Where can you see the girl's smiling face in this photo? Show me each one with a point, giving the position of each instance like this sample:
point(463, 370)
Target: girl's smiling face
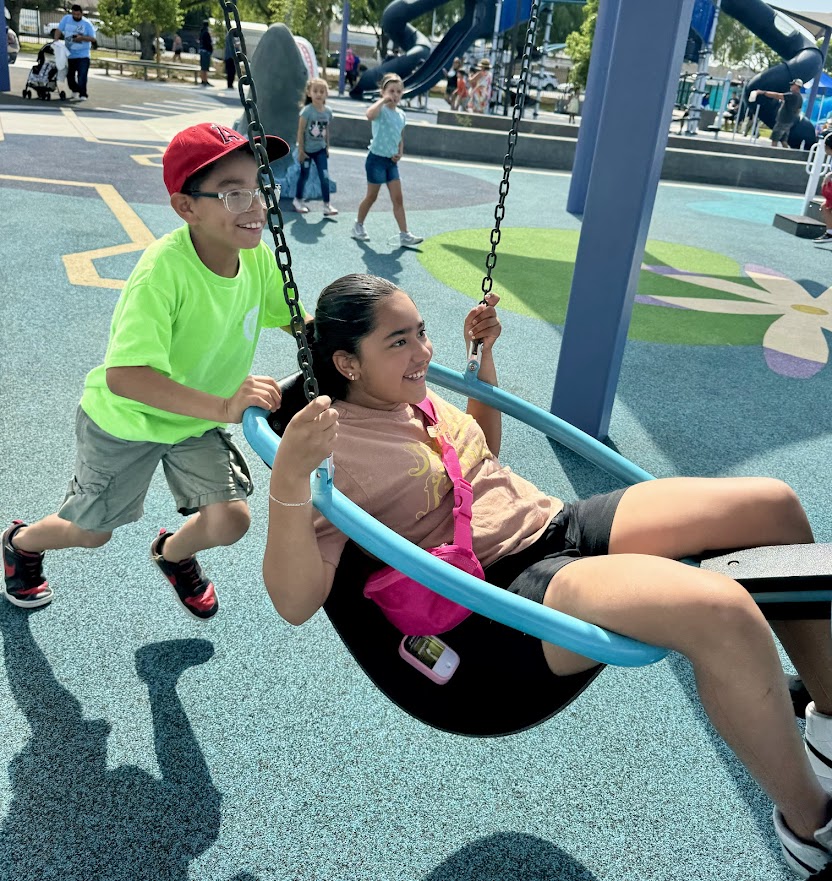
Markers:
point(392, 360)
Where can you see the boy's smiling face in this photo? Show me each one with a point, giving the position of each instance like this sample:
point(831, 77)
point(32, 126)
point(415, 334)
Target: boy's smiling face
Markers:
point(217, 234)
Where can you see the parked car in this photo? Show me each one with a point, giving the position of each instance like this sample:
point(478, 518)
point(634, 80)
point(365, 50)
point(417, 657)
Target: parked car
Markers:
point(544, 81)
point(12, 45)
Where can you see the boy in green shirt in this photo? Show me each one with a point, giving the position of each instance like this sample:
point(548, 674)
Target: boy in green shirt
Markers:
point(176, 372)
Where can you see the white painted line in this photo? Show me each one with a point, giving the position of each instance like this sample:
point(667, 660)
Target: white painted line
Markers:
point(143, 110)
point(137, 112)
point(167, 109)
point(186, 103)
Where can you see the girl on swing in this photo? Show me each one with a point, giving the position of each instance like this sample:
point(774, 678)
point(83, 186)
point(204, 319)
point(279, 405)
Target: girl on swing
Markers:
point(610, 560)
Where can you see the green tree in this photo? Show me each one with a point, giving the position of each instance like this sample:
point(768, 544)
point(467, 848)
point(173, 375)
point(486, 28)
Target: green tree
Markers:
point(306, 18)
point(735, 45)
point(151, 17)
point(566, 18)
point(447, 15)
point(733, 41)
point(367, 13)
point(579, 43)
point(115, 17)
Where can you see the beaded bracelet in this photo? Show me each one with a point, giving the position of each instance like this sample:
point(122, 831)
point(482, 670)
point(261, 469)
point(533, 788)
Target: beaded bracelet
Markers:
point(290, 504)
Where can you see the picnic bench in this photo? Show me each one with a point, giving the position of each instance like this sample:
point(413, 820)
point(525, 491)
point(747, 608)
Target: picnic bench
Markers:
point(158, 66)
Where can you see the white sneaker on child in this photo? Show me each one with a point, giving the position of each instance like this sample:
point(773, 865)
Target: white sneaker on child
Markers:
point(408, 240)
point(803, 857)
point(330, 210)
point(358, 232)
point(819, 745)
point(299, 206)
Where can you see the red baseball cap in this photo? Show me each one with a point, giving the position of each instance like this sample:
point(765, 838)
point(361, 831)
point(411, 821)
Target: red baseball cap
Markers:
point(200, 145)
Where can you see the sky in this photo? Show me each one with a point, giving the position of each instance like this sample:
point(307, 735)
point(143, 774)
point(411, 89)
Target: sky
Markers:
point(805, 5)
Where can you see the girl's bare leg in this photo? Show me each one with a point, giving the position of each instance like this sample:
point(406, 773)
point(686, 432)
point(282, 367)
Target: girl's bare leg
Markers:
point(367, 202)
point(686, 516)
point(396, 197)
point(704, 615)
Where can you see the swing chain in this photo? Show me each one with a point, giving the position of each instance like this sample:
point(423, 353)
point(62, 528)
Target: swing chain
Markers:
point(270, 189)
point(508, 161)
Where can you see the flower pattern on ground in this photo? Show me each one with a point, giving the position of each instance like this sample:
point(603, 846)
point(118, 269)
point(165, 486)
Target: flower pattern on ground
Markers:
point(794, 344)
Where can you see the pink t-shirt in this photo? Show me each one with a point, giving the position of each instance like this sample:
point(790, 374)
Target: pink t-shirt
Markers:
point(387, 464)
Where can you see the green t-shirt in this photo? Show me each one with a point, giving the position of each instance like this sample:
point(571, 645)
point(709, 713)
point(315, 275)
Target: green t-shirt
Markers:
point(195, 327)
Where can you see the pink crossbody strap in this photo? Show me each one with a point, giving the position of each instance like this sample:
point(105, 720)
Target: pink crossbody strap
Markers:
point(463, 493)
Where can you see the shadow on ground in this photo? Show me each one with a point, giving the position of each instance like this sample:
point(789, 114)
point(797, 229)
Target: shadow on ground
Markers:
point(73, 818)
point(509, 856)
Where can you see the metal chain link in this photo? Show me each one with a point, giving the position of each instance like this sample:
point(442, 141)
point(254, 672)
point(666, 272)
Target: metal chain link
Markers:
point(271, 191)
point(508, 161)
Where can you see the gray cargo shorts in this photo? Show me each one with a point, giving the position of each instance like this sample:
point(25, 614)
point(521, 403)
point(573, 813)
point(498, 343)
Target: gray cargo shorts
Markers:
point(112, 475)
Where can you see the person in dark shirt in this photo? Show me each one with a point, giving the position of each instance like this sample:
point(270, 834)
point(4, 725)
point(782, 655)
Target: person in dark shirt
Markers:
point(788, 114)
point(206, 51)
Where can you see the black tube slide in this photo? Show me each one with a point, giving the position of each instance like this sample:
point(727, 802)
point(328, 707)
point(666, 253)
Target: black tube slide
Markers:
point(802, 59)
point(414, 44)
point(477, 23)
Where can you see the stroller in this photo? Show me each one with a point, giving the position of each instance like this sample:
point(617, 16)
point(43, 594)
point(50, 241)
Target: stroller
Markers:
point(43, 77)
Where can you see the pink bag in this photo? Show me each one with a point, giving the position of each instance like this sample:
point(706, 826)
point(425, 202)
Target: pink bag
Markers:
point(414, 609)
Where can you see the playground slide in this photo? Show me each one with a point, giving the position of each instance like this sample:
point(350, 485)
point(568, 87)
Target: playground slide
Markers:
point(802, 59)
point(476, 23)
point(415, 46)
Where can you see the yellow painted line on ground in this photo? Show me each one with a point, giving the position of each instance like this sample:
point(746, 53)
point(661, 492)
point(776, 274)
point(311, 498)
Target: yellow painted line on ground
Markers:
point(79, 126)
point(80, 267)
point(154, 160)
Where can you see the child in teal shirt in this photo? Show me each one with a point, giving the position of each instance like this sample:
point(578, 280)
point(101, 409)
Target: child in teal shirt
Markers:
point(176, 372)
point(382, 165)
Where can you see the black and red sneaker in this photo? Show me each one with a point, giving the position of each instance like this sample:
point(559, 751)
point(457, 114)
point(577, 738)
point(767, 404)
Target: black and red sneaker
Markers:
point(23, 573)
point(192, 588)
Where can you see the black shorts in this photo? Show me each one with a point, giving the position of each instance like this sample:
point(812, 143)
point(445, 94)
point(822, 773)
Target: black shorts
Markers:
point(581, 529)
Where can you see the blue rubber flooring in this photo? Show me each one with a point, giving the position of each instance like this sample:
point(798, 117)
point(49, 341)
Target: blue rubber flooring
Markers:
point(138, 744)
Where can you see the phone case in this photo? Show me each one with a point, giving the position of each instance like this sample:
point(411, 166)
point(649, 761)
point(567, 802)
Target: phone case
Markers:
point(442, 670)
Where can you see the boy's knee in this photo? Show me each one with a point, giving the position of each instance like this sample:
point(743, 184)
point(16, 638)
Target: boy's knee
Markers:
point(230, 522)
point(88, 539)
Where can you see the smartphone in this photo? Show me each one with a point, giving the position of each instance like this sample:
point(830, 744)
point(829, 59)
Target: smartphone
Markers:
point(430, 656)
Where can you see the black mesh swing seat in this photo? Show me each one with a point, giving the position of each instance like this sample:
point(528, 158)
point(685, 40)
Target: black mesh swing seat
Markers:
point(503, 684)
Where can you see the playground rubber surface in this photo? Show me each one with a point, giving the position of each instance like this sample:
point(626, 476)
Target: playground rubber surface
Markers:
point(138, 744)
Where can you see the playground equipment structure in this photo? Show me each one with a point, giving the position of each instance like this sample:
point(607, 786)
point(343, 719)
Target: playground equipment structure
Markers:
point(421, 68)
point(418, 66)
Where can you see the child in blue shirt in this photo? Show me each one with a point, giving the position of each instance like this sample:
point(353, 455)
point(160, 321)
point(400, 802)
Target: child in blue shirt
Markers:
point(382, 165)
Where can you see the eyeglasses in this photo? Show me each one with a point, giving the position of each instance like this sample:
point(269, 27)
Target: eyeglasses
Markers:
point(237, 201)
